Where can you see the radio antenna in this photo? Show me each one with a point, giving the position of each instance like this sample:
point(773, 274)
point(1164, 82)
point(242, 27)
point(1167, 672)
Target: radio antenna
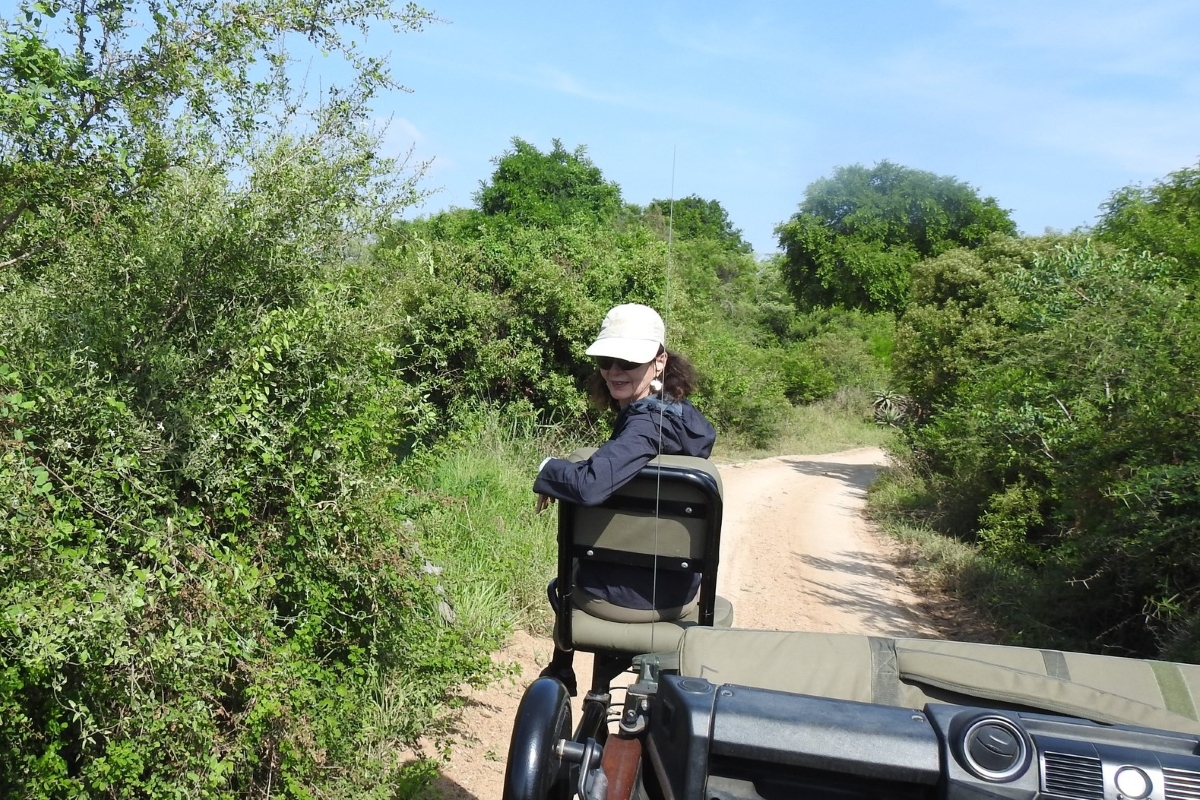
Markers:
point(663, 397)
point(670, 241)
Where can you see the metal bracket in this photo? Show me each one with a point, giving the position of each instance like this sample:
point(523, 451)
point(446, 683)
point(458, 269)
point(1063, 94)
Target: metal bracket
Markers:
point(635, 715)
point(593, 783)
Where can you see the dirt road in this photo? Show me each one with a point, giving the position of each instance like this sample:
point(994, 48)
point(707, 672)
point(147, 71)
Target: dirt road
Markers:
point(796, 554)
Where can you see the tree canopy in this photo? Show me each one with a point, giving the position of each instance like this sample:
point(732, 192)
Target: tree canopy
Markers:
point(1163, 219)
point(857, 234)
point(91, 93)
point(697, 218)
point(547, 189)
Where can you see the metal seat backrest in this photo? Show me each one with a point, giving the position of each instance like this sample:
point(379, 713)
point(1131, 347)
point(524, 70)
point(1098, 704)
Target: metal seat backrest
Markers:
point(663, 513)
point(668, 517)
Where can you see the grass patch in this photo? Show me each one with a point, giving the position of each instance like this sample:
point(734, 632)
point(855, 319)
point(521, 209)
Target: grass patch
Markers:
point(1017, 603)
point(901, 505)
point(841, 422)
point(474, 509)
point(479, 527)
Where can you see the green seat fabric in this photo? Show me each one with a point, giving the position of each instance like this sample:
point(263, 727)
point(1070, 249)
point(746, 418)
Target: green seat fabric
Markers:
point(670, 524)
point(592, 634)
point(912, 672)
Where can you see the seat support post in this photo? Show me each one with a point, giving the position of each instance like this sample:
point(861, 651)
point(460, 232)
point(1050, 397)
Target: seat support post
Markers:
point(562, 630)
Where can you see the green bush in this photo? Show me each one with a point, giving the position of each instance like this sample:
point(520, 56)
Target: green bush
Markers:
point(740, 390)
point(545, 190)
point(503, 313)
point(840, 348)
point(202, 595)
point(956, 316)
point(1066, 440)
point(805, 376)
point(858, 233)
point(1163, 219)
point(714, 319)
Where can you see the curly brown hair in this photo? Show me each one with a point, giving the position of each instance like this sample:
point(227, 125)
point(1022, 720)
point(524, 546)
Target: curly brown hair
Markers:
point(679, 381)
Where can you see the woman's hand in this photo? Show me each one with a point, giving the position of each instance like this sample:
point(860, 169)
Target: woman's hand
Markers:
point(543, 502)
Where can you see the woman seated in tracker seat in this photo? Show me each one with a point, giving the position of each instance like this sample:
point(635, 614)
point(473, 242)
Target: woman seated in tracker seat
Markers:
point(647, 385)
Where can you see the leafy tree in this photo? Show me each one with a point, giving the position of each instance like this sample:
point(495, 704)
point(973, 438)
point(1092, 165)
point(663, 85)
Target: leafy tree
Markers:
point(1164, 219)
point(530, 187)
point(185, 485)
point(957, 312)
point(91, 92)
point(503, 313)
point(697, 218)
point(857, 234)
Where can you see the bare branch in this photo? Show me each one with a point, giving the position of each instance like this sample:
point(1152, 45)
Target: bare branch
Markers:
point(11, 217)
point(16, 260)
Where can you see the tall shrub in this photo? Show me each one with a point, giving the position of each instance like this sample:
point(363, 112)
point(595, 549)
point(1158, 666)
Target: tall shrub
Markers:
point(1069, 444)
point(504, 312)
point(1163, 218)
point(199, 405)
point(859, 232)
point(202, 596)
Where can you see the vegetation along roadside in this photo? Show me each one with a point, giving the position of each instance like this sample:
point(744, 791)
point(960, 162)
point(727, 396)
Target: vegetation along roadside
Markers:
point(266, 447)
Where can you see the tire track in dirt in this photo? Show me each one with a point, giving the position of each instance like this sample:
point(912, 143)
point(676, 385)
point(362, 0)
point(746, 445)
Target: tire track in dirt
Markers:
point(800, 556)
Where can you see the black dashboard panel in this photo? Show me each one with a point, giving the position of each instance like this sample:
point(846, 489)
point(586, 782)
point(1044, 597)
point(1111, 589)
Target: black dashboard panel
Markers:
point(710, 742)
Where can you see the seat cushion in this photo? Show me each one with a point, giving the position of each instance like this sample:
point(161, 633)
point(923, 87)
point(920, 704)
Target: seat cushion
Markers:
point(595, 606)
point(592, 634)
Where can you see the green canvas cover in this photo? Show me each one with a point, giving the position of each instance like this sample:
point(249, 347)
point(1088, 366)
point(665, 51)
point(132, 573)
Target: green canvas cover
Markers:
point(678, 530)
point(641, 532)
point(912, 672)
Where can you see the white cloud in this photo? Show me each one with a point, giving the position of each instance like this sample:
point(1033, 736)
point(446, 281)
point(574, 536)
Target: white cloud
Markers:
point(734, 38)
point(556, 80)
point(404, 129)
point(1151, 37)
point(397, 135)
point(1072, 100)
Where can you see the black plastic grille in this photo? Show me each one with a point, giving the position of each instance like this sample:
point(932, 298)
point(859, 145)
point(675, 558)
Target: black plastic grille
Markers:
point(1073, 776)
point(1181, 784)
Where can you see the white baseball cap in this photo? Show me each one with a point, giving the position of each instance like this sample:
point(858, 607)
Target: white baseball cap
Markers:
point(631, 332)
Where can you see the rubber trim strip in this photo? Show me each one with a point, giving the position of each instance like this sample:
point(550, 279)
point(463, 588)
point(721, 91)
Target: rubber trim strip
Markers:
point(885, 672)
point(1175, 694)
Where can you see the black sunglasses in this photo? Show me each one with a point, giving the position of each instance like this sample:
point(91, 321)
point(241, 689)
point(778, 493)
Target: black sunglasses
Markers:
point(604, 362)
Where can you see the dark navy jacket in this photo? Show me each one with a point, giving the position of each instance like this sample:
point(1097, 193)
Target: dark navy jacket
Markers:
point(635, 441)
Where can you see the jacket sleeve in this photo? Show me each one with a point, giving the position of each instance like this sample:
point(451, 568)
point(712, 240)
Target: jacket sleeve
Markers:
point(613, 465)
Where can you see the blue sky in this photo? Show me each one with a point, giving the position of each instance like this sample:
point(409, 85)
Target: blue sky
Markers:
point(1047, 106)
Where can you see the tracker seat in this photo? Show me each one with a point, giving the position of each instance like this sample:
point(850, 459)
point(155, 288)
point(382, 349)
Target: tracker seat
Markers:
point(668, 519)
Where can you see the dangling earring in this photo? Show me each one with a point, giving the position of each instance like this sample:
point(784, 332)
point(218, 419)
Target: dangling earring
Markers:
point(656, 385)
